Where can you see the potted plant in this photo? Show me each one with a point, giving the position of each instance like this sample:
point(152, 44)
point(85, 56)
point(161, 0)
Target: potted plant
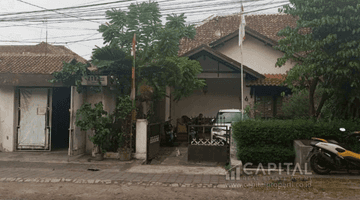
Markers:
point(122, 116)
point(124, 151)
point(98, 120)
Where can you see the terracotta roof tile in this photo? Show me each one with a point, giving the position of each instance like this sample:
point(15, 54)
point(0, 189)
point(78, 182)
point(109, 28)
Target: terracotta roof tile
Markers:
point(270, 80)
point(218, 27)
point(266, 26)
point(35, 59)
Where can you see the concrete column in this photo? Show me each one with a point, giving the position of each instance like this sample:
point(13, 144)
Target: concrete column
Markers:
point(141, 139)
point(7, 118)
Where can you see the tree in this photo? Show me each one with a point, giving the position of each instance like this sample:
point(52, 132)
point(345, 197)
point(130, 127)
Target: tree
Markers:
point(326, 46)
point(157, 63)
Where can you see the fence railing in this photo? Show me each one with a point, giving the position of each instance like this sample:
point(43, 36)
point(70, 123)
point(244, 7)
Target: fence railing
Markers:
point(199, 134)
point(202, 146)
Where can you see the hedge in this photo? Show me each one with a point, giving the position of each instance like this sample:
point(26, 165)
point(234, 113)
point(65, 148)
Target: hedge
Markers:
point(266, 154)
point(271, 141)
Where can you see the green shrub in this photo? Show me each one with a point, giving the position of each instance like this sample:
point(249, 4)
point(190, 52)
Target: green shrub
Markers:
point(272, 140)
point(298, 105)
point(265, 154)
point(88, 118)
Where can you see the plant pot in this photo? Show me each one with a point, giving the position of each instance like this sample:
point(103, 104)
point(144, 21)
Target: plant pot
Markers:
point(113, 155)
point(99, 156)
point(125, 155)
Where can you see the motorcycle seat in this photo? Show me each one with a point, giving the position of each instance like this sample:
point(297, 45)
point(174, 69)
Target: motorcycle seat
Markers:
point(333, 141)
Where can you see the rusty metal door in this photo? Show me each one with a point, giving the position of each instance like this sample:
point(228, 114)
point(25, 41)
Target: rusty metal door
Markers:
point(34, 118)
point(153, 140)
point(77, 138)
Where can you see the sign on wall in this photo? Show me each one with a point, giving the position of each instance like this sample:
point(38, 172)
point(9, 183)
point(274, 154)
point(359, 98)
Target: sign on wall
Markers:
point(94, 80)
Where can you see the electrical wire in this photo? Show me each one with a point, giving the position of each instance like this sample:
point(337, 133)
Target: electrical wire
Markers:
point(54, 11)
point(96, 13)
point(188, 8)
point(189, 12)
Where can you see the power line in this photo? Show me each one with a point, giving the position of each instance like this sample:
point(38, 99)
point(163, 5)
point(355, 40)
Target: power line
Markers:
point(89, 11)
point(66, 8)
point(194, 10)
point(53, 11)
point(187, 11)
point(72, 9)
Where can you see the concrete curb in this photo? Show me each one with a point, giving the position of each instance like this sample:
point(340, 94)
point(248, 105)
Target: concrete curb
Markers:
point(189, 170)
point(119, 182)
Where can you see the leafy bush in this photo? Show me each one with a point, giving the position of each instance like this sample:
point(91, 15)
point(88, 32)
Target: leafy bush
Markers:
point(265, 154)
point(262, 141)
point(297, 105)
point(88, 118)
point(122, 124)
point(111, 130)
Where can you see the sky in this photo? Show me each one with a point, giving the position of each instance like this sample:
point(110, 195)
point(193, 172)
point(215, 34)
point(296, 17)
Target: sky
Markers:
point(76, 28)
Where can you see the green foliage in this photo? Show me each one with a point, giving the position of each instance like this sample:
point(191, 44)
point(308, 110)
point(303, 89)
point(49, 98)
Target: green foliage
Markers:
point(250, 110)
point(345, 104)
point(298, 105)
point(264, 141)
point(227, 166)
point(122, 115)
point(327, 31)
point(177, 72)
point(88, 118)
point(156, 49)
point(71, 74)
point(111, 130)
point(142, 19)
point(156, 53)
point(123, 107)
point(265, 154)
point(115, 62)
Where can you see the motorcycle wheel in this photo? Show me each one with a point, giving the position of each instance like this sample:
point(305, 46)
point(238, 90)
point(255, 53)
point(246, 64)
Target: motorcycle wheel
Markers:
point(317, 166)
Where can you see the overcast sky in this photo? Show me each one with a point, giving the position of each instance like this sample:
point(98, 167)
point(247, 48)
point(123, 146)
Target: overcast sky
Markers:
point(78, 31)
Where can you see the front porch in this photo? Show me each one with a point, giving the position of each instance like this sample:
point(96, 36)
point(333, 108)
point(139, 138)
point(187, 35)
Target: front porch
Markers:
point(223, 90)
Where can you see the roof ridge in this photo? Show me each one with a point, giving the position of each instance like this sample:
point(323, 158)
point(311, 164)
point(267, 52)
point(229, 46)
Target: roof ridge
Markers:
point(211, 17)
point(265, 26)
point(36, 54)
point(266, 14)
point(33, 45)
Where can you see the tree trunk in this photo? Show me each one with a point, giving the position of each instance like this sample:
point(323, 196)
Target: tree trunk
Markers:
point(325, 96)
point(312, 89)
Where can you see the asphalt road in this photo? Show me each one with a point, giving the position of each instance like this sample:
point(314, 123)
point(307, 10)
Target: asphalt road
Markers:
point(319, 189)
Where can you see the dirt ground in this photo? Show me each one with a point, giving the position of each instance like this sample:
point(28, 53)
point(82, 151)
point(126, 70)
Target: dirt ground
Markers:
point(318, 189)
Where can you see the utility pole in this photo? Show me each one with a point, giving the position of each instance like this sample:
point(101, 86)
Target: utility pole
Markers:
point(241, 38)
point(133, 92)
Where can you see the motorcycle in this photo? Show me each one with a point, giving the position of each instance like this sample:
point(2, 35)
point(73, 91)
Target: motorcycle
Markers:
point(193, 134)
point(328, 155)
point(170, 135)
point(220, 138)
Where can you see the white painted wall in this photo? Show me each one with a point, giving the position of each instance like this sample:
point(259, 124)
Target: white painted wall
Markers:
point(256, 55)
point(7, 133)
point(222, 94)
point(141, 139)
point(109, 100)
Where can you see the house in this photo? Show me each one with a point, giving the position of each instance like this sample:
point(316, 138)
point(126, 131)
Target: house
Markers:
point(34, 114)
point(216, 47)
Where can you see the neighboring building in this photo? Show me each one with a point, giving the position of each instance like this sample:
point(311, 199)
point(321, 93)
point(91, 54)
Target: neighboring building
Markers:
point(34, 114)
point(216, 47)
